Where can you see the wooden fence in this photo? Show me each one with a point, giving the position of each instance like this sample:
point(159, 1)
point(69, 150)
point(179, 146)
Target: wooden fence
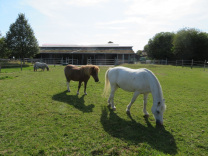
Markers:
point(182, 63)
point(11, 63)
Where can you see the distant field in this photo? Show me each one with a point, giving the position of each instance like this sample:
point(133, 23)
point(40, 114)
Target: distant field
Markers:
point(39, 117)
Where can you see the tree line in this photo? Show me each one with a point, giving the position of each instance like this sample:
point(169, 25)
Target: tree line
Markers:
point(20, 41)
point(186, 44)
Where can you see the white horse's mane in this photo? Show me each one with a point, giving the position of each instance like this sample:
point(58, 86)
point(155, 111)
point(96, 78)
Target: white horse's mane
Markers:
point(156, 90)
point(156, 83)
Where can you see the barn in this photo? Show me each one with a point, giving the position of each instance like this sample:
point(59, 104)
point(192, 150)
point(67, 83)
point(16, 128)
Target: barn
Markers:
point(87, 54)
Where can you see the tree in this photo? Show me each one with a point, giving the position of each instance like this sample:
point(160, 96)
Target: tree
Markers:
point(4, 52)
point(139, 52)
point(190, 43)
point(20, 39)
point(201, 52)
point(160, 46)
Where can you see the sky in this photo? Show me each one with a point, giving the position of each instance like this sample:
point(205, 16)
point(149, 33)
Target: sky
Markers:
point(95, 22)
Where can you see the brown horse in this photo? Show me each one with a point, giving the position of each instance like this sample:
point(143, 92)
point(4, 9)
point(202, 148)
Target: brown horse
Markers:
point(81, 74)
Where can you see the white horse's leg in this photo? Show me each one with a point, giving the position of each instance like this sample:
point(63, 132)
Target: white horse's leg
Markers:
point(136, 94)
point(68, 86)
point(111, 97)
point(146, 114)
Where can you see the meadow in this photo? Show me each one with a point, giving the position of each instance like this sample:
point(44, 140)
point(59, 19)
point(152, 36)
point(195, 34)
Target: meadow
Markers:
point(39, 117)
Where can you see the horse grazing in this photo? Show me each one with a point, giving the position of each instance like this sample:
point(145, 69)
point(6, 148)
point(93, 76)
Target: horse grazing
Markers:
point(139, 81)
point(40, 65)
point(81, 74)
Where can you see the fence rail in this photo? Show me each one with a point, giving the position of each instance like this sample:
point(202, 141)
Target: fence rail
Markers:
point(19, 63)
point(108, 61)
point(11, 63)
point(182, 63)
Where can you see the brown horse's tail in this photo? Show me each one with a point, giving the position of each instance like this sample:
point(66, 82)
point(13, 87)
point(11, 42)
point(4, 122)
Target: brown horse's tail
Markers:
point(107, 84)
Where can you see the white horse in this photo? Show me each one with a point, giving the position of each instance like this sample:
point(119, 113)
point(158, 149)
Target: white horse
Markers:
point(40, 65)
point(139, 81)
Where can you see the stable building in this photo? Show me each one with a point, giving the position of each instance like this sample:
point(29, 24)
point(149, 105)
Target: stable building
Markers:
point(88, 54)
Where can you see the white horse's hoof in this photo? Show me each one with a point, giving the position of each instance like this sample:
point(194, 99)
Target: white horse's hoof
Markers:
point(114, 109)
point(77, 93)
point(85, 93)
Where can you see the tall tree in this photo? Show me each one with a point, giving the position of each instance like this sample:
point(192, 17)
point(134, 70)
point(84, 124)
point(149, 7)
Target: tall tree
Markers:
point(160, 46)
point(190, 43)
point(20, 39)
point(4, 52)
point(201, 52)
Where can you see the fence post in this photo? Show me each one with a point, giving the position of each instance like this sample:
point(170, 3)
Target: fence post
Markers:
point(21, 65)
point(205, 64)
point(192, 62)
point(115, 61)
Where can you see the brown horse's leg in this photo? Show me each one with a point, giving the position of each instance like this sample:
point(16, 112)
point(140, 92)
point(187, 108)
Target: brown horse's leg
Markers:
point(80, 82)
point(85, 87)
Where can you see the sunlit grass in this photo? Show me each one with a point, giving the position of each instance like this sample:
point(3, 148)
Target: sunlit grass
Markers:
point(38, 116)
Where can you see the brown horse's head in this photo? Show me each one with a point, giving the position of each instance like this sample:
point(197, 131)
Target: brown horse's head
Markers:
point(94, 72)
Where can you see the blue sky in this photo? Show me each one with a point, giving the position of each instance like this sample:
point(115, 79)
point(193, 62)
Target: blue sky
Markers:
point(86, 22)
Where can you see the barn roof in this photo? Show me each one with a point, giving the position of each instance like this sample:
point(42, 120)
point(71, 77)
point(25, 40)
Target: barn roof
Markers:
point(82, 46)
point(104, 48)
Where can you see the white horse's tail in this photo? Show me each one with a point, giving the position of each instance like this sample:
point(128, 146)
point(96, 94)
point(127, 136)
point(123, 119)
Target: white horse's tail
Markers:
point(107, 84)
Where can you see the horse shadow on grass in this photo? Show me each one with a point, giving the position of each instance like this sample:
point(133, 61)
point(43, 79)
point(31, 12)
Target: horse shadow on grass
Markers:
point(136, 133)
point(74, 100)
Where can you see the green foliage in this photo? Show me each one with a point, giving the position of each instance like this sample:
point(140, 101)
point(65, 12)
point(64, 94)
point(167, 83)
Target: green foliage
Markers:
point(39, 117)
point(159, 47)
point(139, 52)
point(20, 39)
point(186, 44)
point(191, 44)
point(4, 52)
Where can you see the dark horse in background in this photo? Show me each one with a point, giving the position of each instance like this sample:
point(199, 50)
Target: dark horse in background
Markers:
point(81, 74)
point(40, 65)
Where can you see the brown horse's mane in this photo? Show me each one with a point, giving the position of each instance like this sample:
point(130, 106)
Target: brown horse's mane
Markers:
point(87, 69)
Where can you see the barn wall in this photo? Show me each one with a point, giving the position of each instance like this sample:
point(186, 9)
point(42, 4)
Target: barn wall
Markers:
point(82, 54)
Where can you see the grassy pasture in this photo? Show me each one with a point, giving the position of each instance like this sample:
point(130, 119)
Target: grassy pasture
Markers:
point(39, 117)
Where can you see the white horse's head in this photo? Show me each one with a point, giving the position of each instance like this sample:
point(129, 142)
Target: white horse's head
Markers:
point(158, 110)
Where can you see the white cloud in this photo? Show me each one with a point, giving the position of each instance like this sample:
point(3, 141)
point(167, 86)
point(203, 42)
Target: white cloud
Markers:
point(55, 8)
point(131, 22)
point(83, 3)
point(161, 9)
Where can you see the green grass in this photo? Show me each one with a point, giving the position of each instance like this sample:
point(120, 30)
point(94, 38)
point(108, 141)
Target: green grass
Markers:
point(39, 117)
